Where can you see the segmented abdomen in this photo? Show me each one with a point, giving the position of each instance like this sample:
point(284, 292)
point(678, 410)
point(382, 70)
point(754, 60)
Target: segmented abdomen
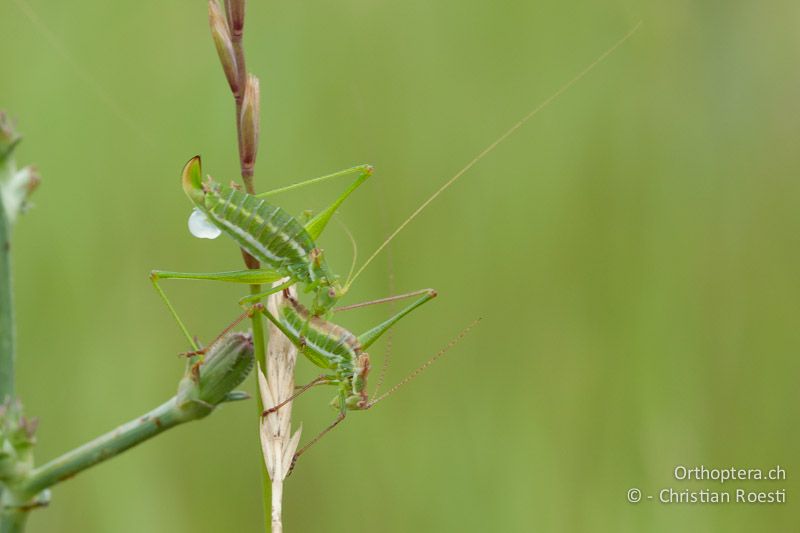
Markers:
point(327, 345)
point(267, 232)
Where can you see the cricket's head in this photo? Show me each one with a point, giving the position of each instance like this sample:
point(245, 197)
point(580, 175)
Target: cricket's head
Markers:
point(192, 180)
point(329, 291)
point(326, 286)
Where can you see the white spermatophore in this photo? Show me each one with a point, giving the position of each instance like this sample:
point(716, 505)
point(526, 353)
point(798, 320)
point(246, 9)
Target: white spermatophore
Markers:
point(201, 227)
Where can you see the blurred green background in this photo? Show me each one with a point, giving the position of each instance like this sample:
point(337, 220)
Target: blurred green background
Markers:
point(633, 252)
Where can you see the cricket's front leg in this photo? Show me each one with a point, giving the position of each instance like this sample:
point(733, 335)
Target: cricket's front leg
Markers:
point(249, 277)
point(253, 298)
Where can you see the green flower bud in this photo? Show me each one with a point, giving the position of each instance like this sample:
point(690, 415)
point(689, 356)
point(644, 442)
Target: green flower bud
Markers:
point(210, 382)
point(226, 367)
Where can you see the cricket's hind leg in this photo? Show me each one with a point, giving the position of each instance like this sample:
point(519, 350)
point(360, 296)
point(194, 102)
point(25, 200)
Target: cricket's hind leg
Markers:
point(317, 224)
point(319, 380)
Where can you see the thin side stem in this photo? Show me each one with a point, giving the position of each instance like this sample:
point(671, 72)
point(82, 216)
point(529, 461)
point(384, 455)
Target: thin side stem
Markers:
point(7, 330)
point(128, 435)
point(24, 495)
point(14, 520)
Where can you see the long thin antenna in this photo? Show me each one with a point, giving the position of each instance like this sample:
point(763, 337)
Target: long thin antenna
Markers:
point(354, 246)
point(389, 343)
point(420, 369)
point(385, 300)
point(497, 142)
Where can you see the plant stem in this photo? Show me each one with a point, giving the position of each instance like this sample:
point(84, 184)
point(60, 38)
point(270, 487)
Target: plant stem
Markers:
point(260, 354)
point(276, 385)
point(228, 37)
point(17, 498)
point(13, 520)
point(277, 506)
point(165, 416)
point(206, 385)
point(7, 331)
point(247, 172)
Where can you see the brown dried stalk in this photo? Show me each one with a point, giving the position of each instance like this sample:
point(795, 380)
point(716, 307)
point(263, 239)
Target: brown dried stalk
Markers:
point(277, 441)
